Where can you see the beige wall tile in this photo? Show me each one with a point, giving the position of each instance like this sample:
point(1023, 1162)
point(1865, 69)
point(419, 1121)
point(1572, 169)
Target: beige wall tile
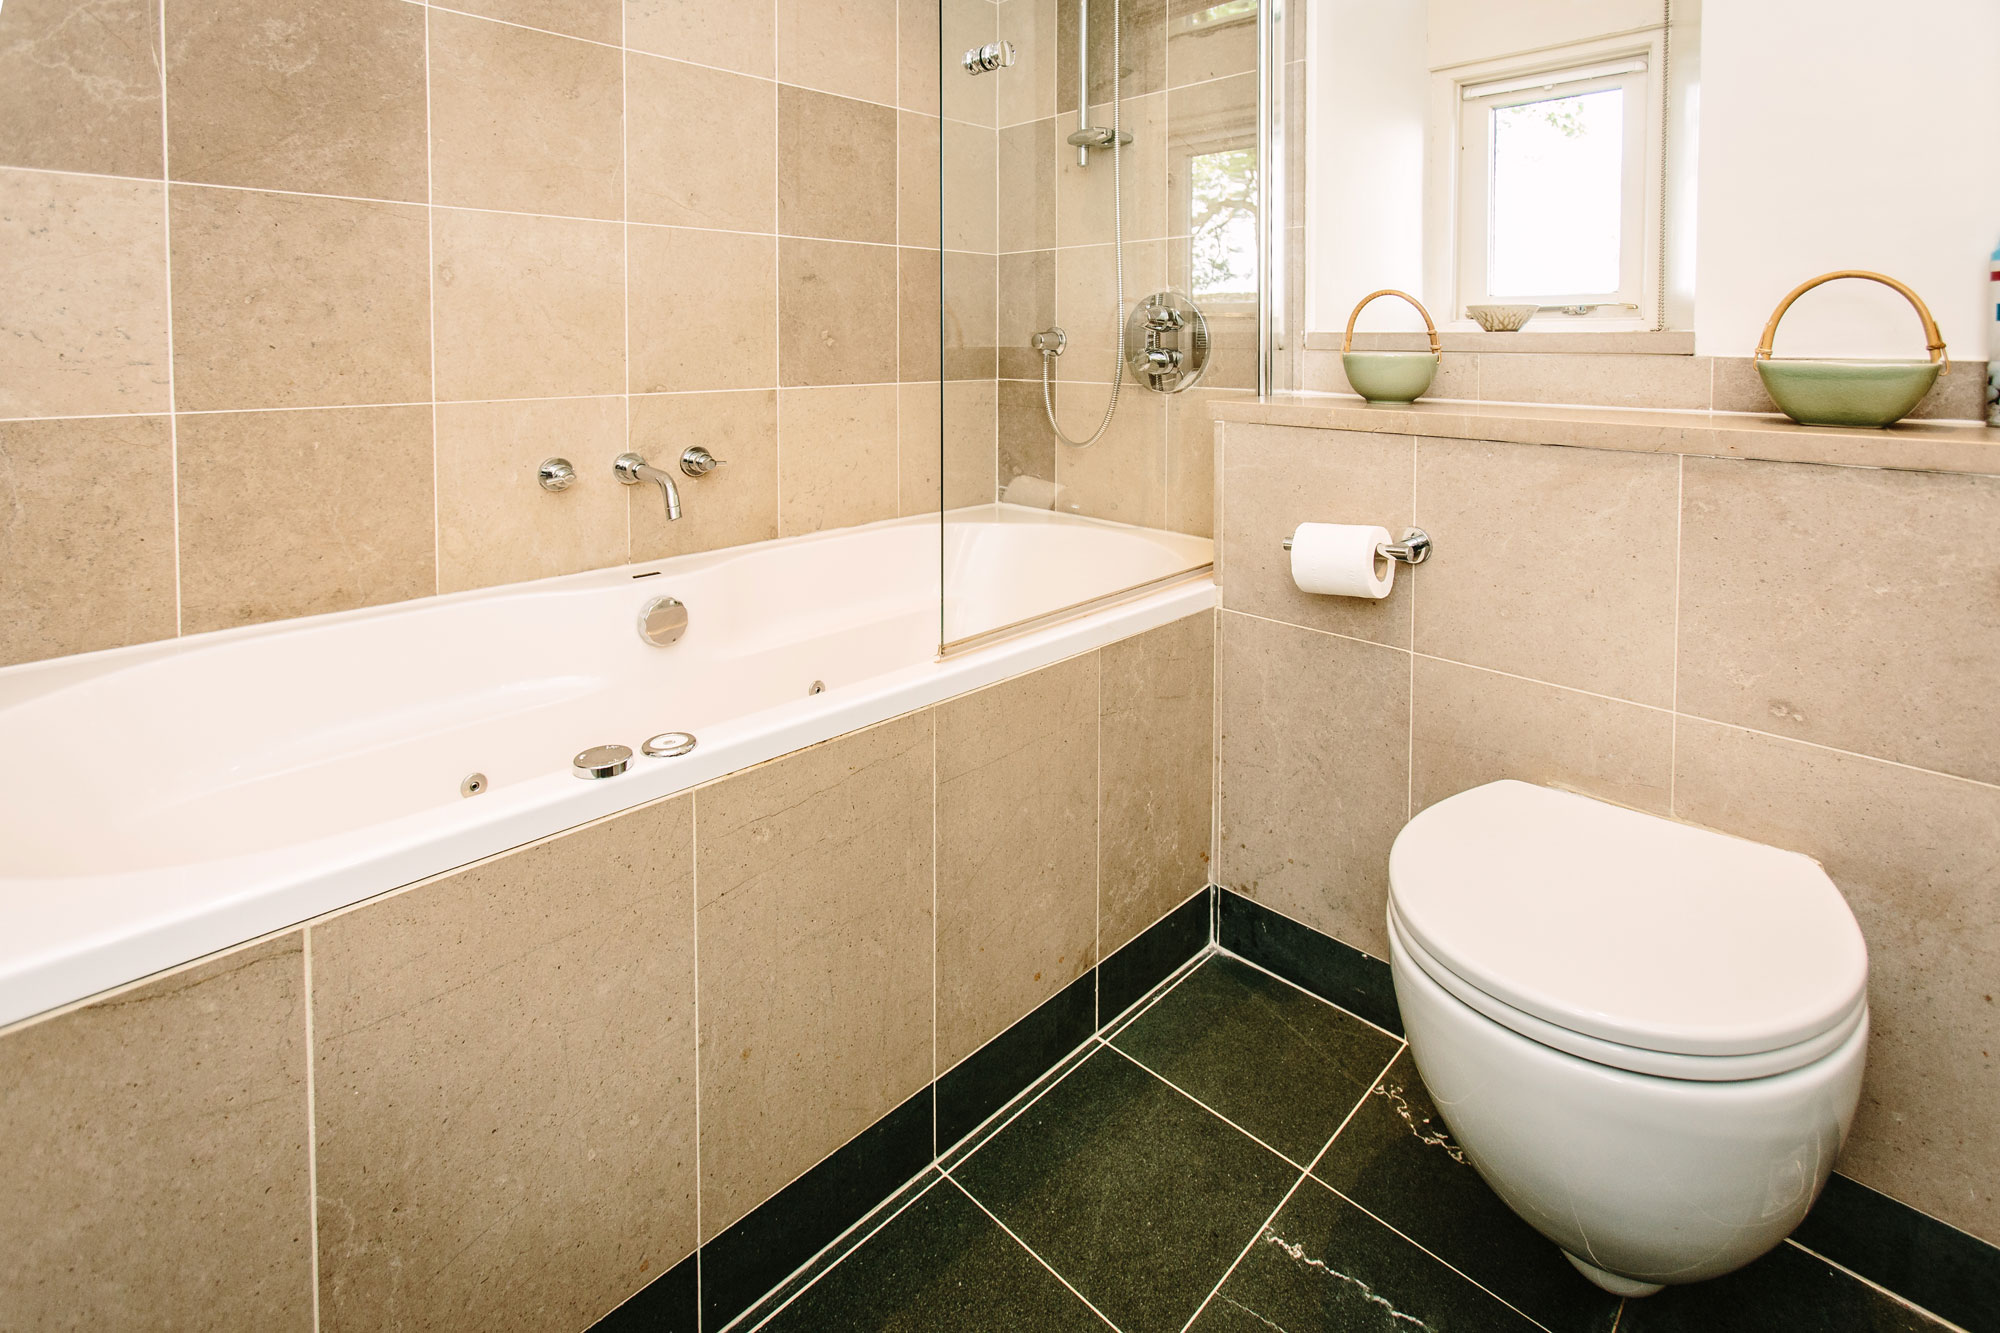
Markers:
point(918, 201)
point(736, 503)
point(495, 522)
point(1028, 166)
point(1805, 612)
point(970, 317)
point(1191, 459)
point(504, 1064)
point(836, 313)
point(299, 513)
point(1157, 795)
point(702, 146)
point(1314, 735)
point(1083, 194)
point(918, 57)
point(846, 47)
point(286, 300)
point(920, 315)
point(1473, 727)
point(969, 198)
point(836, 167)
point(524, 120)
point(736, 36)
point(531, 307)
point(593, 20)
point(1142, 41)
point(1556, 564)
point(919, 447)
point(1027, 447)
point(83, 328)
point(815, 909)
point(969, 425)
point(964, 24)
point(1087, 304)
point(837, 450)
point(325, 96)
point(80, 86)
point(1123, 477)
point(155, 1152)
point(704, 310)
point(1017, 850)
point(1274, 479)
point(86, 550)
point(1208, 50)
point(1918, 857)
point(1595, 381)
point(1029, 90)
point(1027, 305)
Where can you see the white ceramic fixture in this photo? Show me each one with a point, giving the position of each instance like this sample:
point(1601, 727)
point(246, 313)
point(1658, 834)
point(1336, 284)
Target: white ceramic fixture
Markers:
point(1647, 1037)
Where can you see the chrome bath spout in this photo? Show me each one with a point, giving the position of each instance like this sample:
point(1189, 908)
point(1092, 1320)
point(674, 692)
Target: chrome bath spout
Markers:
point(632, 470)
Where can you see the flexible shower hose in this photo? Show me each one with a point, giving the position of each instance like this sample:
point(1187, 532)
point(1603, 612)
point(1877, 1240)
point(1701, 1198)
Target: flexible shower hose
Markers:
point(1118, 257)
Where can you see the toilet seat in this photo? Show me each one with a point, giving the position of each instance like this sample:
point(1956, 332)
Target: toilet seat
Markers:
point(1627, 939)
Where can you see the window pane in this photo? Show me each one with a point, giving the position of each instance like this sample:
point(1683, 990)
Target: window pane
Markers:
point(1224, 222)
point(1558, 191)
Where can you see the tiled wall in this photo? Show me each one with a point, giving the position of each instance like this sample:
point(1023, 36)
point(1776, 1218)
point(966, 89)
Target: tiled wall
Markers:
point(510, 1097)
point(294, 296)
point(1189, 86)
point(1765, 648)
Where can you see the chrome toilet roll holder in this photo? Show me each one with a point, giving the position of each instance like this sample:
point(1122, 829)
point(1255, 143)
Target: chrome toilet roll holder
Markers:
point(1414, 549)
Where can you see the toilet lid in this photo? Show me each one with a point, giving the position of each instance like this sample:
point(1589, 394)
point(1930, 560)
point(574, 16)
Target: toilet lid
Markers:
point(1626, 926)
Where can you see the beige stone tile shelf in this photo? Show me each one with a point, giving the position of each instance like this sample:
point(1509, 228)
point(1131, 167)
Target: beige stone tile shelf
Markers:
point(1912, 446)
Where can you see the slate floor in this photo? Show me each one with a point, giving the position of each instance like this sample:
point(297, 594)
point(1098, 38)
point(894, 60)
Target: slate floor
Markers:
point(1243, 1157)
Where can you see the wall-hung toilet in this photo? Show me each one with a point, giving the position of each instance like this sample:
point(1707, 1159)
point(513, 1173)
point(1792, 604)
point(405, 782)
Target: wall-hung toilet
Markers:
point(1647, 1037)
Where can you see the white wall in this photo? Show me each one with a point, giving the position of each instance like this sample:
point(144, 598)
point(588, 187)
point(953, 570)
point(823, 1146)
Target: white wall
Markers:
point(1366, 82)
point(1463, 31)
point(1847, 134)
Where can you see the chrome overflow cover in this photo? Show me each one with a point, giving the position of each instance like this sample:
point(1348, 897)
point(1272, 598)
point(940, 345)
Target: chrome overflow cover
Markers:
point(662, 621)
point(602, 761)
point(474, 784)
point(668, 745)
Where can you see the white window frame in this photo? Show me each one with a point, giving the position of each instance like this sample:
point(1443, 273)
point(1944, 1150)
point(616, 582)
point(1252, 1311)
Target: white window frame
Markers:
point(1458, 218)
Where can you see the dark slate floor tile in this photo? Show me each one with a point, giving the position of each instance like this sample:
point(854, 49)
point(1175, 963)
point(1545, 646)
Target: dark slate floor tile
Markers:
point(1396, 1159)
point(1934, 1264)
point(1137, 1196)
point(1285, 1065)
point(1324, 1266)
point(1336, 972)
point(941, 1265)
point(1124, 978)
point(1787, 1289)
point(999, 1071)
point(668, 1304)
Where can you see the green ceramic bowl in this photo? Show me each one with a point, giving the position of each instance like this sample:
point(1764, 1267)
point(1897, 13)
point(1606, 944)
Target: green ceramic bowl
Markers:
point(1389, 377)
point(1848, 393)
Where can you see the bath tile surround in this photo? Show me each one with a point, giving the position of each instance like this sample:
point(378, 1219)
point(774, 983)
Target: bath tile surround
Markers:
point(519, 1093)
point(329, 279)
point(1742, 644)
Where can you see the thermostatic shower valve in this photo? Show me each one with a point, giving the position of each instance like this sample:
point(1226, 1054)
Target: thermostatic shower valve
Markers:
point(1166, 343)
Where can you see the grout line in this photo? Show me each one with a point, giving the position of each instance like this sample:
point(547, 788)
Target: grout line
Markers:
point(1303, 1177)
point(1251, 963)
point(312, 1124)
point(1031, 1252)
point(694, 946)
point(1284, 1157)
point(936, 1073)
point(1674, 718)
point(1870, 1282)
point(852, 1234)
point(990, 1128)
point(1408, 1240)
point(1410, 754)
point(1144, 1004)
point(1097, 848)
point(430, 292)
point(172, 412)
point(625, 277)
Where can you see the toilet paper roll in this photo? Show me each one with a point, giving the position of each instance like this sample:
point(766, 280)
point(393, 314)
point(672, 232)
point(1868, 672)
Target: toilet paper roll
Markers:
point(1031, 491)
point(1339, 560)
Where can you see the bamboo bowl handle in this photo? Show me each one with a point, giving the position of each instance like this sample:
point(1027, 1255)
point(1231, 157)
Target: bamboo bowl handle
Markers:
point(1437, 348)
point(1933, 340)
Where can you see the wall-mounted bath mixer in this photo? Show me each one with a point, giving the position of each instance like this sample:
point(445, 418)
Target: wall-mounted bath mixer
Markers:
point(985, 59)
point(1166, 342)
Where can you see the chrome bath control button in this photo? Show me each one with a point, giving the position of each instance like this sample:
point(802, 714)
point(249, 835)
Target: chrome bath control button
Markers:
point(602, 761)
point(662, 620)
point(668, 745)
point(474, 784)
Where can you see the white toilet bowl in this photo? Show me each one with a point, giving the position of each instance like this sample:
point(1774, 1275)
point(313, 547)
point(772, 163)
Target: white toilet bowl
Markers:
point(1648, 1038)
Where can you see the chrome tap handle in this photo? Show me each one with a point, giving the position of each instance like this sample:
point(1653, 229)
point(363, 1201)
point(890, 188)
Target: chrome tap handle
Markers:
point(699, 462)
point(632, 469)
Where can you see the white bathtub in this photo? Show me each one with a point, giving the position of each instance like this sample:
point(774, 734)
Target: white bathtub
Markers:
point(161, 802)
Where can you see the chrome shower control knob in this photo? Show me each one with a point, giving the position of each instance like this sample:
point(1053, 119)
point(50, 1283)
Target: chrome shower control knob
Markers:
point(556, 474)
point(699, 462)
point(602, 761)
